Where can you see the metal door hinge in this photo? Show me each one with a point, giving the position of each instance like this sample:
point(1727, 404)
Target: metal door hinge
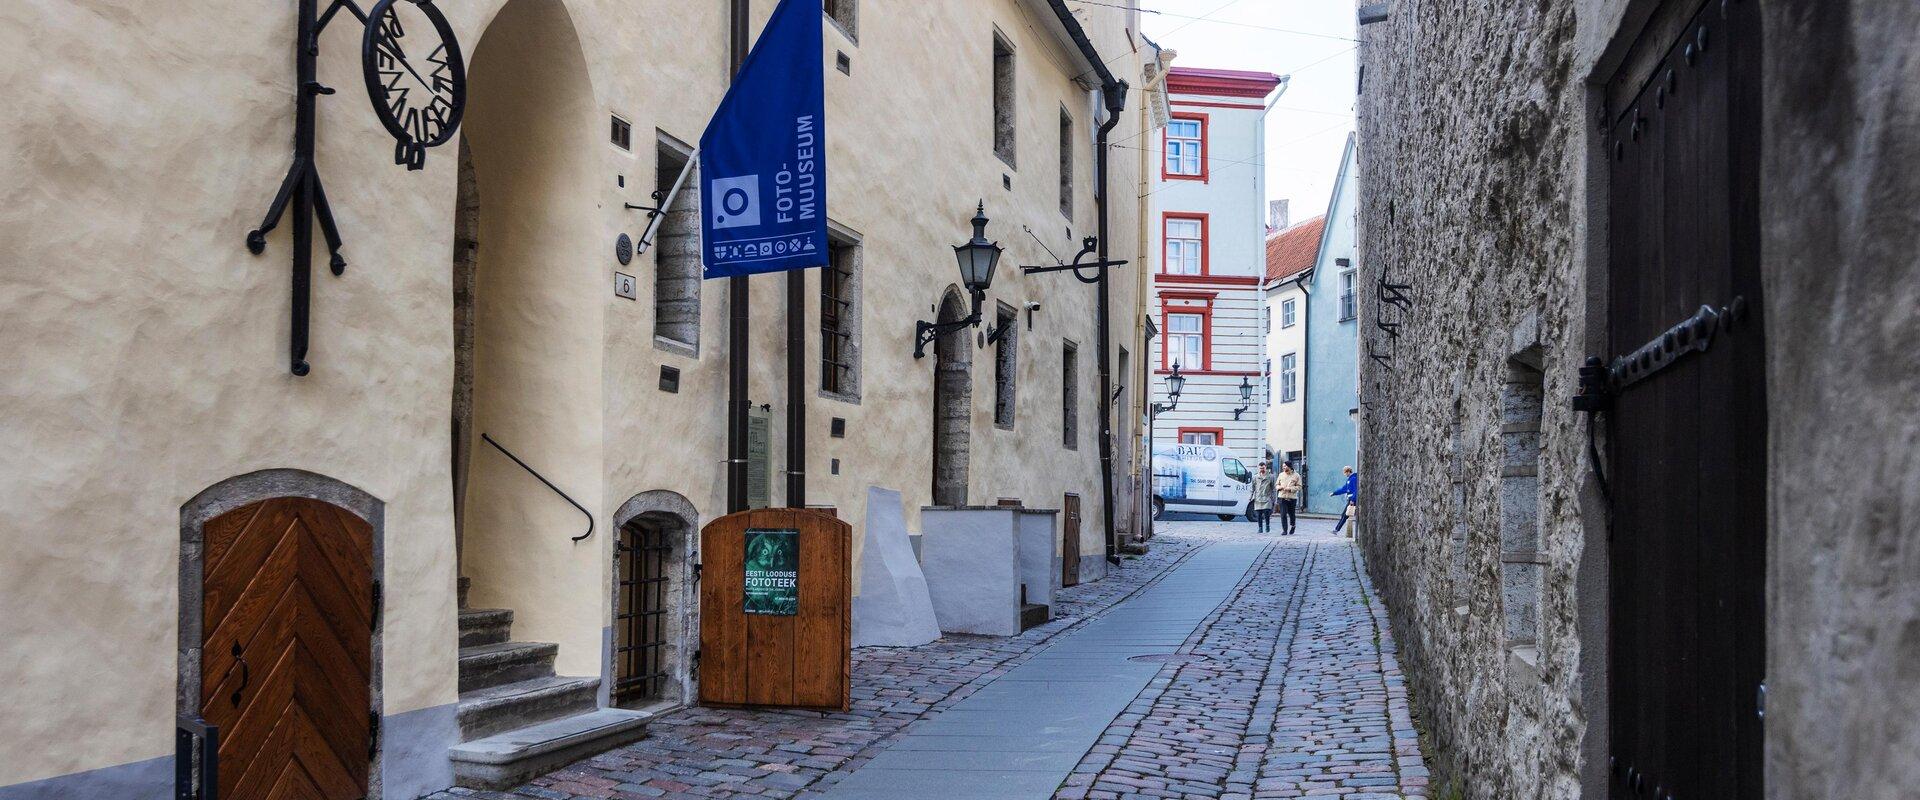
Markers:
point(1760, 701)
point(373, 734)
point(696, 570)
point(374, 620)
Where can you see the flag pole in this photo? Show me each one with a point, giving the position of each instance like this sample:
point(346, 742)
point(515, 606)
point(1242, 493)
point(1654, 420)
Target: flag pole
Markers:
point(737, 402)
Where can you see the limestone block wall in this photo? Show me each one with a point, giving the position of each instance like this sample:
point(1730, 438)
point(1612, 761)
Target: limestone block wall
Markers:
point(1469, 157)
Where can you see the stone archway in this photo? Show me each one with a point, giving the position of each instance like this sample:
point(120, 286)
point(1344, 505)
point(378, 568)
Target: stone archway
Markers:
point(657, 536)
point(952, 404)
point(528, 332)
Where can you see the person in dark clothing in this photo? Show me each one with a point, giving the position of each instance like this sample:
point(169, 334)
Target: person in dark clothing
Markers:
point(1352, 490)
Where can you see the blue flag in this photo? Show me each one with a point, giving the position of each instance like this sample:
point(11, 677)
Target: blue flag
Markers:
point(763, 157)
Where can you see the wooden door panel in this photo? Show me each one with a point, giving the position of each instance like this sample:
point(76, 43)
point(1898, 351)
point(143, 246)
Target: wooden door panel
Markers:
point(1687, 431)
point(289, 584)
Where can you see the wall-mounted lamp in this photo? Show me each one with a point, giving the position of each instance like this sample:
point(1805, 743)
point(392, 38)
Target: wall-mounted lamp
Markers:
point(1246, 398)
point(976, 258)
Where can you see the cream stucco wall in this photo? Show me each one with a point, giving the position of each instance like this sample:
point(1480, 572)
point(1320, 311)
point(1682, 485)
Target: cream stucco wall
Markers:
point(145, 347)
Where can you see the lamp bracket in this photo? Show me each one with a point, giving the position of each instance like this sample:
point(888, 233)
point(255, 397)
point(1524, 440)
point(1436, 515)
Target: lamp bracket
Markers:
point(1087, 246)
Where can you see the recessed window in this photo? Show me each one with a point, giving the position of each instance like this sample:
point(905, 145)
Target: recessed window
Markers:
point(840, 320)
point(1070, 395)
point(1289, 377)
point(1186, 341)
point(1066, 163)
point(1212, 436)
point(1003, 122)
point(622, 134)
point(845, 15)
point(1006, 365)
point(1186, 142)
point(1348, 308)
point(676, 270)
point(842, 62)
point(1287, 313)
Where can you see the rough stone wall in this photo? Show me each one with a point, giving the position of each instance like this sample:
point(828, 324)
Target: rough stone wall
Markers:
point(1471, 169)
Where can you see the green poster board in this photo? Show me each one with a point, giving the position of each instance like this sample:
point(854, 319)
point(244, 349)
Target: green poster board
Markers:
point(773, 571)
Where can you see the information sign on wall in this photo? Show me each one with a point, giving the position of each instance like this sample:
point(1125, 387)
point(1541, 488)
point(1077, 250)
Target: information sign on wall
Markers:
point(773, 572)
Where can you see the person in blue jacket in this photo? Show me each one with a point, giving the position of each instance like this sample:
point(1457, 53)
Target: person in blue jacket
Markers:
point(1352, 490)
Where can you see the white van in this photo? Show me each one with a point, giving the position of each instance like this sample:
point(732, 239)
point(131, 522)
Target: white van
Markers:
point(1200, 478)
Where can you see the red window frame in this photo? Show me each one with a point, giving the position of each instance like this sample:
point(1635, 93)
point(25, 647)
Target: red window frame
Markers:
point(1205, 312)
point(1219, 434)
point(1206, 241)
point(1206, 148)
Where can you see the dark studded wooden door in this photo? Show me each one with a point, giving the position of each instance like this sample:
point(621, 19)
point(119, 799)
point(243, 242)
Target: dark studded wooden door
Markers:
point(286, 654)
point(1070, 541)
point(1688, 425)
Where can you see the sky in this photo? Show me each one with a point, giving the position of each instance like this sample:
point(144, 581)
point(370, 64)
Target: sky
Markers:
point(1311, 40)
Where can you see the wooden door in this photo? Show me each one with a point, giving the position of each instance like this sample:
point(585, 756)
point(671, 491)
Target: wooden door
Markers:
point(286, 656)
point(1070, 541)
point(1688, 426)
point(796, 650)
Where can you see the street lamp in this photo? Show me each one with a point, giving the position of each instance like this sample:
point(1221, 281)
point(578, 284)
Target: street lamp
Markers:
point(976, 260)
point(1246, 398)
point(1175, 383)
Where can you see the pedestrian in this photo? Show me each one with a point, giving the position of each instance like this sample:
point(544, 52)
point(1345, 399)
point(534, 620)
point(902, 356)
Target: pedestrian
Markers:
point(1286, 487)
point(1260, 507)
point(1352, 490)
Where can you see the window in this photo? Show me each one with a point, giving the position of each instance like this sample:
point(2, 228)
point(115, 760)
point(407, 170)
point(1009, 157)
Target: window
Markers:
point(1235, 470)
point(1287, 313)
point(1289, 377)
point(840, 320)
point(1070, 395)
point(1347, 310)
point(1003, 99)
point(845, 15)
point(1066, 163)
point(1266, 318)
point(1186, 148)
point(1186, 245)
point(1266, 382)
point(1006, 365)
point(1186, 341)
point(676, 261)
point(1212, 436)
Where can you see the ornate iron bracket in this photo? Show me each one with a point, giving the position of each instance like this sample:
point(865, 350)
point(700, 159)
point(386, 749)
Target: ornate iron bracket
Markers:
point(302, 186)
point(924, 332)
point(1087, 246)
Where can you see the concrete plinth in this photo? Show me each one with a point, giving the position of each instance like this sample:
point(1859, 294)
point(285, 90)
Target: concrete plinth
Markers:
point(976, 560)
point(893, 608)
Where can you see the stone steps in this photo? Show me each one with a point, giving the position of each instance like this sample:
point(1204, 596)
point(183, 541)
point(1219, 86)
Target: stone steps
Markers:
point(518, 719)
point(486, 665)
point(485, 626)
point(508, 759)
point(1032, 614)
point(485, 712)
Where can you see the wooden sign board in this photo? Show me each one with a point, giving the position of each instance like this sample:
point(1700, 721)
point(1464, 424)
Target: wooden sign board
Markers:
point(776, 601)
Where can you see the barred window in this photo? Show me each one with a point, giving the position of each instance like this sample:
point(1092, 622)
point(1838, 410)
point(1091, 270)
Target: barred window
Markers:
point(840, 320)
point(1006, 365)
point(1070, 395)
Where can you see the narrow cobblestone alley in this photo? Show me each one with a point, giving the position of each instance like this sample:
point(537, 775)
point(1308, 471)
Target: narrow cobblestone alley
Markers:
point(1286, 687)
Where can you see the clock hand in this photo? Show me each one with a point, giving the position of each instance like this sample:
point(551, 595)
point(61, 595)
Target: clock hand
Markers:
point(393, 51)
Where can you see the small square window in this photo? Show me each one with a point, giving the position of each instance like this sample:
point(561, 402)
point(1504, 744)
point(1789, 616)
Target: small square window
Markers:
point(622, 134)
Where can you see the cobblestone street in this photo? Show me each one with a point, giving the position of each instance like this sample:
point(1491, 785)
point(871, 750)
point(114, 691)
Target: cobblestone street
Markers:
point(1288, 688)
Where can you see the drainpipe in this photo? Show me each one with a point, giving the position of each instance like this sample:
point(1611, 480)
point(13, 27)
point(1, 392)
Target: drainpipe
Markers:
point(1114, 92)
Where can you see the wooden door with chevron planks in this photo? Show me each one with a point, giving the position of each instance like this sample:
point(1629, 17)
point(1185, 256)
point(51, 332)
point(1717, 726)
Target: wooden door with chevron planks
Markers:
point(286, 659)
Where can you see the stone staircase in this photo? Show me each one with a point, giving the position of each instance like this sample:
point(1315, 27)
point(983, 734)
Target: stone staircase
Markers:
point(518, 719)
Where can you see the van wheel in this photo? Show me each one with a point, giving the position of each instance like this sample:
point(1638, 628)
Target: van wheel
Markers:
point(1159, 507)
point(1225, 517)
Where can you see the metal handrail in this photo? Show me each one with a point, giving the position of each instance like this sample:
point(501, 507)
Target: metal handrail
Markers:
point(543, 479)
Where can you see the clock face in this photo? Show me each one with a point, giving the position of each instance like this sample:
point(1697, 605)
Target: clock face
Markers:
point(415, 76)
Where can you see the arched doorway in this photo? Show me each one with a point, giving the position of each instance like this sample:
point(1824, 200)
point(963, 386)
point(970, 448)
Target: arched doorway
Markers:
point(528, 333)
point(952, 404)
point(654, 599)
point(279, 632)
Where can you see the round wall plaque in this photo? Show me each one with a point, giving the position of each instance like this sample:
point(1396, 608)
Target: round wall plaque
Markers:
point(623, 249)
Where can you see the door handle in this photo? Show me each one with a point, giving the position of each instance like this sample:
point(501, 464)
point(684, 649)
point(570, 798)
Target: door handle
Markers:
point(246, 674)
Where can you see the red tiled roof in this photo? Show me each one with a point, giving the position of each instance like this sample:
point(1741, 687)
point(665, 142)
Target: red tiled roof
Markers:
point(1291, 251)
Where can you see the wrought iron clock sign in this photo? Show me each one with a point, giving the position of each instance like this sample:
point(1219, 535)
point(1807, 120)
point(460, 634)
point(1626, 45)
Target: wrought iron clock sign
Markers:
point(418, 85)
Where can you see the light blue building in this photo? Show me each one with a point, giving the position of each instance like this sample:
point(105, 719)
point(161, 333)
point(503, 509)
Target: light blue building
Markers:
point(1333, 303)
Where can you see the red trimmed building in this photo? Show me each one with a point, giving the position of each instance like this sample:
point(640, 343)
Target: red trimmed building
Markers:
point(1208, 231)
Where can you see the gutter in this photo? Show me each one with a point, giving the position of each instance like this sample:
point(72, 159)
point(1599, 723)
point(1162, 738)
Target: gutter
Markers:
point(1114, 92)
